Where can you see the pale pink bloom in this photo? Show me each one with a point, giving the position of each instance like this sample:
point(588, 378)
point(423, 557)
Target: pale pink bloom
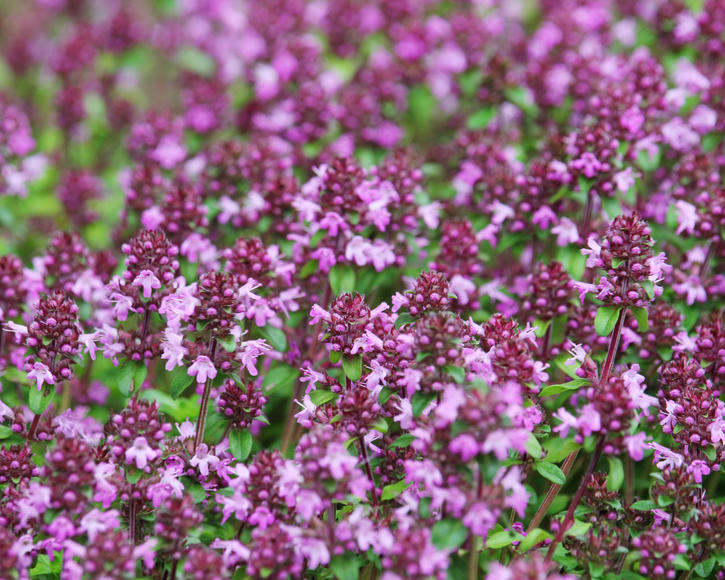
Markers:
point(169, 152)
point(544, 217)
point(589, 420)
point(152, 218)
point(636, 445)
point(463, 288)
point(202, 368)
point(140, 453)
point(665, 458)
point(88, 340)
point(41, 374)
point(593, 252)
point(692, 288)
point(250, 351)
point(624, 180)
point(204, 460)
point(430, 214)
point(698, 468)
point(122, 305)
point(687, 217)
point(173, 350)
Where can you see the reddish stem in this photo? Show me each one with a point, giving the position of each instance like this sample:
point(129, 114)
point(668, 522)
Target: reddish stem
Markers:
point(204, 406)
point(577, 497)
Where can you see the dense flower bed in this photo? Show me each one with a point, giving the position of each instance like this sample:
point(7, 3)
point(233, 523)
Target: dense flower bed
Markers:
point(396, 289)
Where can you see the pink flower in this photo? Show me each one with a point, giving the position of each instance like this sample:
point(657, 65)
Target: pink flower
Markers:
point(698, 468)
point(204, 460)
point(140, 453)
point(589, 420)
point(566, 232)
point(173, 350)
point(41, 373)
point(636, 445)
point(148, 281)
point(593, 253)
point(202, 368)
point(465, 446)
point(665, 458)
point(687, 217)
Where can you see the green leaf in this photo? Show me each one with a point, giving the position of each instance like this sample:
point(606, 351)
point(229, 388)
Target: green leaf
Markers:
point(420, 401)
point(457, 373)
point(615, 477)
point(704, 569)
point(125, 378)
point(240, 444)
point(180, 380)
point(394, 490)
point(345, 567)
point(281, 377)
point(481, 118)
point(403, 318)
point(139, 376)
point(644, 505)
point(352, 365)
point(449, 534)
point(133, 475)
point(228, 343)
point(534, 537)
point(550, 472)
point(533, 447)
point(681, 562)
point(5, 431)
point(275, 337)
point(649, 288)
point(578, 528)
point(557, 449)
point(500, 539)
point(641, 316)
point(342, 279)
point(572, 385)
point(37, 402)
point(403, 441)
point(540, 327)
point(335, 356)
point(309, 268)
point(605, 319)
point(320, 397)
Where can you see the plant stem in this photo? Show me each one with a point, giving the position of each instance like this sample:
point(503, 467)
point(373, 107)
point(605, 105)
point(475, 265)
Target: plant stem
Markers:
point(629, 481)
point(204, 406)
point(613, 346)
point(366, 465)
point(290, 425)
point(577, 497)
point(33, 427)
point(551, 493)
point(547, 340)
point(65, 396)
point(473, 557)
point(132, 531)
point(586, 221)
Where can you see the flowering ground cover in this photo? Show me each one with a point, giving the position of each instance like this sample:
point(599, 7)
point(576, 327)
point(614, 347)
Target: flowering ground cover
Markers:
point(356, 290)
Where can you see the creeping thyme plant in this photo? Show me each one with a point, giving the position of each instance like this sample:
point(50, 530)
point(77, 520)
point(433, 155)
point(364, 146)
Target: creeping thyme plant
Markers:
point(358, 290)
